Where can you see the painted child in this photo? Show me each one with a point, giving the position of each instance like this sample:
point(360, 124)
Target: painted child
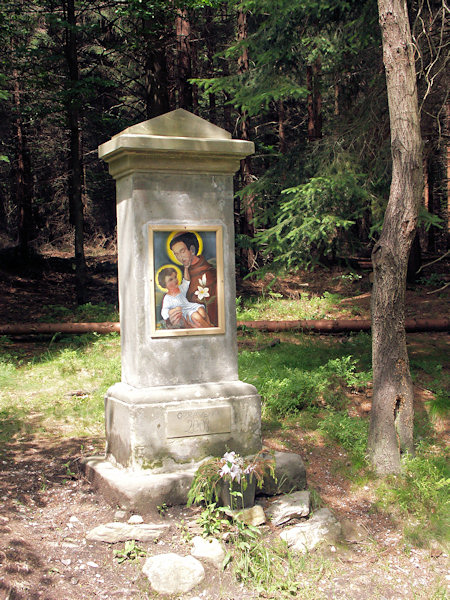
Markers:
point(194, 314)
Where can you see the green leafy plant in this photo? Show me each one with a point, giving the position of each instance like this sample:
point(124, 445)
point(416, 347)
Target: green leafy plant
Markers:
point(162, 509)
point(270, 568)
point(350, 432)
point(314, 219)
point(210, 477)
point(131, 551)
point(421, 492)
point(184, 531)
point(213, 520)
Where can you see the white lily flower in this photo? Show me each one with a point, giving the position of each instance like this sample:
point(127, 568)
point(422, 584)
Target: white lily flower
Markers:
point(202, 280)
point(229, 456)
point(202, 292)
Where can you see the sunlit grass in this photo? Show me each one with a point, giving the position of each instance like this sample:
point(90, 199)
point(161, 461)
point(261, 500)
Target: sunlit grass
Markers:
point(61, 389)
point(275, 308)
point(58, 391)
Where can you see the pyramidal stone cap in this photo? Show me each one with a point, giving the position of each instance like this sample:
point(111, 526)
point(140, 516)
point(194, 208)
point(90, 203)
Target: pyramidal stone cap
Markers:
point(176, 141)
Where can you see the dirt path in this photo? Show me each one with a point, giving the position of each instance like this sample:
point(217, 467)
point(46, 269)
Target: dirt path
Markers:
point(47, 508)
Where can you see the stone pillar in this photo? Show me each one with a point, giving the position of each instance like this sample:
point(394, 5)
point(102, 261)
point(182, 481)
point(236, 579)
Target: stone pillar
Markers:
point(180, 398)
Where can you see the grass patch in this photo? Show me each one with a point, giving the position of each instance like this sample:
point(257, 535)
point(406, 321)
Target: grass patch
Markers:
point(291, 377)
point(273, 307)
point(421, 494)
point(86, 313)
point(350, 432)
point(61, 389)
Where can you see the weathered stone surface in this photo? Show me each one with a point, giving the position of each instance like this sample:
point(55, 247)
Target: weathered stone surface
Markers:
point(250, 516)
point(120, 532)
point(173, 574)
point(209, 549)
point(291, 506)
point(322, 527)
point(290, 475)
point(135, 520)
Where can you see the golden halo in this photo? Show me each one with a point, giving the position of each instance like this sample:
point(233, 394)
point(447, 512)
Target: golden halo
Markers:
point(170, 237)
point(177, 269)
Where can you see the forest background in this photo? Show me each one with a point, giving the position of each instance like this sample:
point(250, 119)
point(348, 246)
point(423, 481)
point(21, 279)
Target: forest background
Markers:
point(304, 81)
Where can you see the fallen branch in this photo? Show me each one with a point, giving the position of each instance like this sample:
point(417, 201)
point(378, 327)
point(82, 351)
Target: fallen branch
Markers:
point(318, 325)
point(46, 328)
point(341, 325)
point(432, 262)
point(439, 289)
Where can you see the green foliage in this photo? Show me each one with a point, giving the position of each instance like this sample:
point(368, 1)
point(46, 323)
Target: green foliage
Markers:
point(269, 568)
point(205, 485)
point(63, 385)
point(439, 405)
point(271, 307)
point(291, 377)
point(427, 219)
point(422, 493)
point(213, 520)
point(314, 220)
point(131, 551)
point(350, 432)
point(89, 313)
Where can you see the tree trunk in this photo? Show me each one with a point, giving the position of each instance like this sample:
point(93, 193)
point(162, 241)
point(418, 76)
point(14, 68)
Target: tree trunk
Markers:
point(75, 159)
point(281, 126)
point(247, 227)
point(391, 423)
point(438, 198)
point(156, 78)
point(24, 184)
point(210, 51)
point(183, 27)
point(314, 101)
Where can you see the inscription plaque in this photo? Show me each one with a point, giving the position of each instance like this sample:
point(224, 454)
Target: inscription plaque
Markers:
point(198, 421)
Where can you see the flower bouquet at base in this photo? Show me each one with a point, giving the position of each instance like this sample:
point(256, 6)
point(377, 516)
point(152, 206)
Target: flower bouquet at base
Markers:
point(230, 481)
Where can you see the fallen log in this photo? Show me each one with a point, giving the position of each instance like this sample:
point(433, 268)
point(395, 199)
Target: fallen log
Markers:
point(341, 325)
point(46, 328)
point(317, 325)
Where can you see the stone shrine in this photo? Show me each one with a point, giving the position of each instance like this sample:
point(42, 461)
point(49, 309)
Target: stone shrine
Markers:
point(180, 398)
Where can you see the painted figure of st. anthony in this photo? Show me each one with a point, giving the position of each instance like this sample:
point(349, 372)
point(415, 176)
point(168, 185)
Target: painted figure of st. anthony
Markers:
point(190, 300)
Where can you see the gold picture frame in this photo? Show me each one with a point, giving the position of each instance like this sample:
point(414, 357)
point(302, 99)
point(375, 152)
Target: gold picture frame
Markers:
point(186, 280)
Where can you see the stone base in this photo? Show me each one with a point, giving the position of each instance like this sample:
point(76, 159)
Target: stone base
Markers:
point(164, 427)
point(142, 491)
point(138, 491)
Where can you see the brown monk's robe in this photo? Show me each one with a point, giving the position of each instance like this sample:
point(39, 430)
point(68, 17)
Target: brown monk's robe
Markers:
point(196, 272)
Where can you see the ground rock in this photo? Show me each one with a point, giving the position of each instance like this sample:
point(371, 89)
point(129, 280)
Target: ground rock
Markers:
point(250, 516)
point(173, 574)
point(321, 527)
point(120, 532)
point(135, 520)
point(291, 506)
point(209, 549)
point(290, 475)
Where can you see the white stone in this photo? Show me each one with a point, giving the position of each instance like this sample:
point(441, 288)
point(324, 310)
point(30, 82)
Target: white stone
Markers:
point(321, 527)
point(250, 516)
point(291, 506)
point(173, 574)
point(121, 532)
point(209, 549)
point(135, 520)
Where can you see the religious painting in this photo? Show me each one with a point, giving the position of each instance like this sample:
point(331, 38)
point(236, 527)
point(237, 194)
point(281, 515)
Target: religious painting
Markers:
point(186, 280)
